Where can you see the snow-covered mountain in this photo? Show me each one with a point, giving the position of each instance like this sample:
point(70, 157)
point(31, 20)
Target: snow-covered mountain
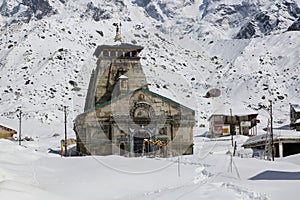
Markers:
point(249, 49)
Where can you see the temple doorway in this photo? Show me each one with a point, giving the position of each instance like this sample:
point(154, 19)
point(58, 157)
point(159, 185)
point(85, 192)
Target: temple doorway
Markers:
point(122, 148)
point(138, 141)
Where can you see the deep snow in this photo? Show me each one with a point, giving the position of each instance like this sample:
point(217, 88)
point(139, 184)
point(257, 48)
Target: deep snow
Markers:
point(208, 174)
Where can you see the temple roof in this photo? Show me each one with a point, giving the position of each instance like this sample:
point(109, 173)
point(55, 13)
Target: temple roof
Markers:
point(131, 92)
point(125, 47)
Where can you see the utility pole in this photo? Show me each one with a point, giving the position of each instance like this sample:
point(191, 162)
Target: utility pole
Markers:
point(65, 111)
point(231, 127)
point(178, 166)
point(271, 131)
point(20, 126)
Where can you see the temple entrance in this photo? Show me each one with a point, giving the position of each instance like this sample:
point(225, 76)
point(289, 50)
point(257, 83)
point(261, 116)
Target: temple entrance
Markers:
point(148, 146)
point(138, 142)
point(122, 148)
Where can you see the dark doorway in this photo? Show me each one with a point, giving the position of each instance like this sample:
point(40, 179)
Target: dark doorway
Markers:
point(291, 149)
point(122, 148)
point(138, 141)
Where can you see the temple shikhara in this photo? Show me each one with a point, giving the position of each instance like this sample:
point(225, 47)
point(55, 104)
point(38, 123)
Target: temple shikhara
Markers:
point(122, 116)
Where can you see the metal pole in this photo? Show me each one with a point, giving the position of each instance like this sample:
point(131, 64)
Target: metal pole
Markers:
point(271, 119)
point(231, 125)
point(178, 168)
point(65, 111)
point(20, 125)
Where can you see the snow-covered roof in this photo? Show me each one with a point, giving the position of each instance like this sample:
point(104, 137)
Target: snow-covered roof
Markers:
point(240, 112)
point(297, 121)
point(277, 135)
point(7, 129)
point(126, 47)
point(237, 111)
point(296, 107)
point(123, 77)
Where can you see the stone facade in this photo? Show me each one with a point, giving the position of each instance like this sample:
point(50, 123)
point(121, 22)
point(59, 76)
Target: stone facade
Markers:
point(123, 117)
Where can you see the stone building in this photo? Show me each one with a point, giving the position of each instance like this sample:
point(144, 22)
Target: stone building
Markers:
point(238, 124)
point(122, 116)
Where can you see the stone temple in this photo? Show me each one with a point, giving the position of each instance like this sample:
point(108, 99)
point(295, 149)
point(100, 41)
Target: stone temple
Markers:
point(122, 116)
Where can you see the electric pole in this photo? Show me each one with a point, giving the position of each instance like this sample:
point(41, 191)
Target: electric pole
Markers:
point(231, 127)
point(271, 131)
point(20, 126)
point(65, 111)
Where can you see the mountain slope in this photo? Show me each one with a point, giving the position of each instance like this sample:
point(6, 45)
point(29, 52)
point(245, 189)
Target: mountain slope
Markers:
point(46, 55)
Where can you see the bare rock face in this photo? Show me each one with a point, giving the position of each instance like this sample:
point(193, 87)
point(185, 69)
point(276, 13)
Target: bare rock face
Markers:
point(25, 10)
point(142, 3)
point(272, 21)
point(295, 26)
point(96, 13)
point(246, 31)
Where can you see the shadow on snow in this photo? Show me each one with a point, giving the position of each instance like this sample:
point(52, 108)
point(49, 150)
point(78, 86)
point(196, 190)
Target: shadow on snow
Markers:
point(276, 175)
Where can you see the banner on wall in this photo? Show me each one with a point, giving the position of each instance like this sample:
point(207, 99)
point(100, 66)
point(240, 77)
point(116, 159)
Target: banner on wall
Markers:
point(245, 123)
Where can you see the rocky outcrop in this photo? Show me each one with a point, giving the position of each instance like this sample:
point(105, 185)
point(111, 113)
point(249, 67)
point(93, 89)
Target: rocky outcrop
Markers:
point(247, 31)
point(96, 13)
point(272, 21)
point(295, 26)
point(25, 10)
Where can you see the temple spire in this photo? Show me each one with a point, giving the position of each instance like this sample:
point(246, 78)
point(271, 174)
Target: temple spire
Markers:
point(118, 36)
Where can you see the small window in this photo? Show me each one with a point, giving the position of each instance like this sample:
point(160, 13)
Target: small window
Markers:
point(105, 53)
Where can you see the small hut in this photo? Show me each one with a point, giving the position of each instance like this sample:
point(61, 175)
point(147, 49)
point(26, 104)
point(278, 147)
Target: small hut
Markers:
point(237, 124)
point(286, 142)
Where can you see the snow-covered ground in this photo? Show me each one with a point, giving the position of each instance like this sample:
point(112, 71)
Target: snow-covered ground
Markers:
point(211, 173)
